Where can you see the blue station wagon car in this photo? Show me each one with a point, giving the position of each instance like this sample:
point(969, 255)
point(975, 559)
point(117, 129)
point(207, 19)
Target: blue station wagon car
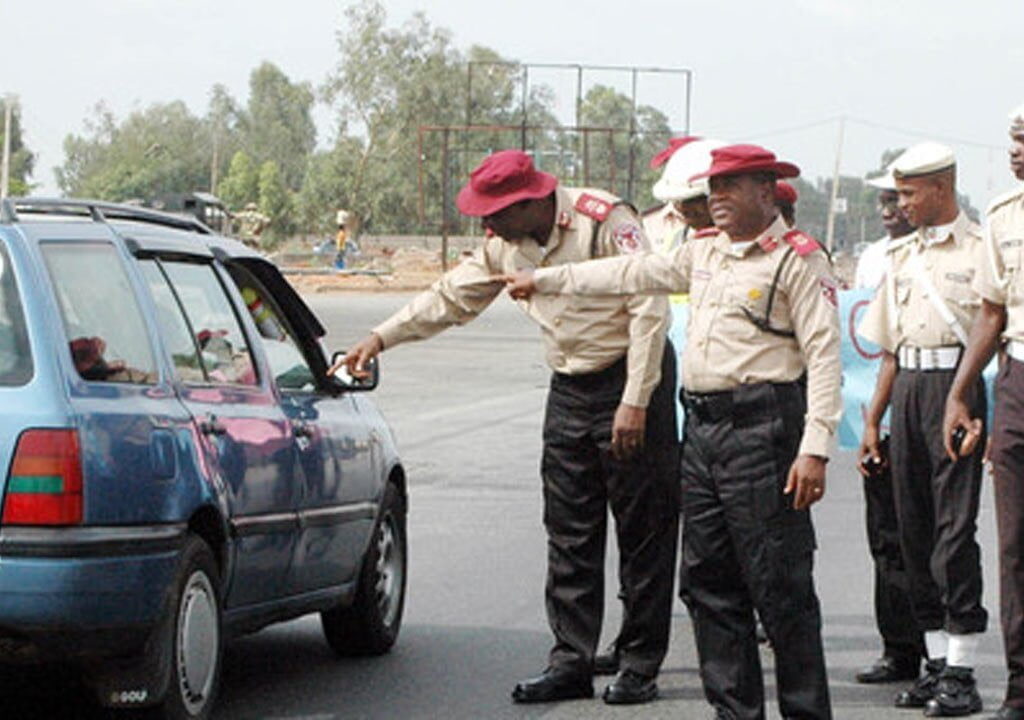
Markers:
point(179, 467)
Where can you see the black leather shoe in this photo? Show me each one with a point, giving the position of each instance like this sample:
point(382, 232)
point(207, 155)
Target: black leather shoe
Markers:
point(955, 694)
point(607, 663)
point(630, 688)
point(1008, 713)
point(553, 685)
point(923, 689)
point(888, 669)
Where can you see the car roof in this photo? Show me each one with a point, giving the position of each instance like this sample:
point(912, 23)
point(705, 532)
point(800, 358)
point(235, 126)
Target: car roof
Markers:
point(151, 232)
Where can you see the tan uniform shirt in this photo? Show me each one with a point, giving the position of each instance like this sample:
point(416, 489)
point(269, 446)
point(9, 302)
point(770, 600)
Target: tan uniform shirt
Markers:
point(665, 227)
point(724, 348)
point(901, 312)
point(582, 335)
point(999, 279)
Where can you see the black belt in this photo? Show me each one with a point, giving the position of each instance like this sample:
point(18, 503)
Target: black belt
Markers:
point(747, 401)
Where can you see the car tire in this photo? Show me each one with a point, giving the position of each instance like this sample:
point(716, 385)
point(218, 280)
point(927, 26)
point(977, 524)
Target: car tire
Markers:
point(370, 625)
point(197, 639)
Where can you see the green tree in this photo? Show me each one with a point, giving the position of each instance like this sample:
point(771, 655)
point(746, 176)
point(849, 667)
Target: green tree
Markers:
point(279, 123)
point(152, 155)
point(275, 202)
point(612, 156)
point(22, 159)
point(224, 119)
point(241, 184)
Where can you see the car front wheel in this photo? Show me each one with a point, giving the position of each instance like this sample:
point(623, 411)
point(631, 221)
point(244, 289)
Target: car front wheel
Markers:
point(370, 625)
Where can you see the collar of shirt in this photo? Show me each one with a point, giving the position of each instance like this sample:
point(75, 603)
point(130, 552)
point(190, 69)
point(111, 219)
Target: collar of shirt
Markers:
point(941, 233)
point(767, 240)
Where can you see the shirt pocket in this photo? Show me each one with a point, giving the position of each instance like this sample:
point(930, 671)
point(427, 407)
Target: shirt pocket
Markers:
point(957, 288)
point(1011, 249)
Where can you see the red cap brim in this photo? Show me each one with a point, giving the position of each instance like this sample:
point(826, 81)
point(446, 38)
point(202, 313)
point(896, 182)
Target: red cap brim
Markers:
point(778, 168)
point(477, 204)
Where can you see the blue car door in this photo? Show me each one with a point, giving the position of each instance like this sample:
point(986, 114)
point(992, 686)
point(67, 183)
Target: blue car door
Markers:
point(341, 484)
point(248, 437)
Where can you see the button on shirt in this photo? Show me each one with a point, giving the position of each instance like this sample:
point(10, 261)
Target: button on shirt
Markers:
point(999, 279)
point(724, 348)
point(581, 335)
point(902, 313)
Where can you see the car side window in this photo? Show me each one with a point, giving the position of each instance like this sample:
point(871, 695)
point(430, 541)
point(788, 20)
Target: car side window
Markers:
point(173, 326)
point(15, 354)
point(104, 325)
point(213, 325)
point(287, 362)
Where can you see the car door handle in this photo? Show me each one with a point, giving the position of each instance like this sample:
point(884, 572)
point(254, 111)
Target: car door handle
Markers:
point(212, 426)
point(302, 429)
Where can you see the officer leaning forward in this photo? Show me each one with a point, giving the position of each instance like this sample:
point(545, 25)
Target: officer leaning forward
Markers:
point(920, 316)
point(761, 380)
point(610, 425)
point(1001, 287)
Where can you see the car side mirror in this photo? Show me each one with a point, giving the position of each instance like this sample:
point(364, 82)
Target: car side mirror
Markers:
point(344, 381)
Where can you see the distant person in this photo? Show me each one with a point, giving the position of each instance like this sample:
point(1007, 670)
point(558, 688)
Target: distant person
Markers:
point(1001, 319)
point(610, 425)
point(251, 224)
point(921, 316)
point(902, 643)
point(664, 221)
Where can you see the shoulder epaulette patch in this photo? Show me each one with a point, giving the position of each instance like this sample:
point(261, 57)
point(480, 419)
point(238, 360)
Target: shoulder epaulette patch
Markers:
point(1004, 198)
point(801, 242)
point(706, 232)
point(594, 207)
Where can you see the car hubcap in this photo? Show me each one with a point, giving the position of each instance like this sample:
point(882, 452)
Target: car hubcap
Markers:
point(389, 571)
point(197, 641)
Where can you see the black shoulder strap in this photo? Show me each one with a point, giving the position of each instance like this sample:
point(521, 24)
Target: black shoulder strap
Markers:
point(597, 226)
point(765, 323)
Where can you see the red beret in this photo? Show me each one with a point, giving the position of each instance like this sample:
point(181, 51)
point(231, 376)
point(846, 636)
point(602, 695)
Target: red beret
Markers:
point(743, 159)
point(503, 178)
point(785, 194)
point(673, 144)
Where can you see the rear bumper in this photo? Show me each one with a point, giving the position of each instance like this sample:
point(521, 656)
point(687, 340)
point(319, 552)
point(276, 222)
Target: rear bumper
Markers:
point(79, 593)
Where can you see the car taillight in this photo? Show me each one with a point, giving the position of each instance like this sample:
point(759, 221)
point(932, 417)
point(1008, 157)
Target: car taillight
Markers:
point(45, 484)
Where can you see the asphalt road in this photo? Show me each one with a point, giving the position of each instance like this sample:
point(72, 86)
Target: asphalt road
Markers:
point(466, 407)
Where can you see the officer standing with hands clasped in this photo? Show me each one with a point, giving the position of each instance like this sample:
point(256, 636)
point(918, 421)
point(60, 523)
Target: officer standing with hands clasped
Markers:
point(610, 437)
point(920, 317)
point(1001, 287)
point(761, 380)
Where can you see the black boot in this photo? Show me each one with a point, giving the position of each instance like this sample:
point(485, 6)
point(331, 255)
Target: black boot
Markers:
point(923, 689)
point(956, 694)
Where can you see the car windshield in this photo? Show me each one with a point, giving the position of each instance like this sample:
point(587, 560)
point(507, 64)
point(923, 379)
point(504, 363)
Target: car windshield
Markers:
point(15, 354)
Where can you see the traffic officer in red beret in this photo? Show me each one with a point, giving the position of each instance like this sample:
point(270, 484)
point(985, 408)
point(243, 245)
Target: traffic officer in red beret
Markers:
point(761, 380)
point(1000, 320)
point(920, 316)
point(610, 437)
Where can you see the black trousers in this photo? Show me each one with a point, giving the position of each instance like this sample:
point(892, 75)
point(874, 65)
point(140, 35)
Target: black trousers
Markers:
point(746, 548)
point(1008, 467)
point(901, 640)
point(936, 504)
point(581, 481)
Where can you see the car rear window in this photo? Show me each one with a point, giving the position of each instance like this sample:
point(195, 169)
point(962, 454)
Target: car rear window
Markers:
point(15, 354)
point(106, 333)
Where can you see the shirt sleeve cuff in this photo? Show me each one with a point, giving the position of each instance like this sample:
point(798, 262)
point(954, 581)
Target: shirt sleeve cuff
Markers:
point(990, 292)
point(817, 441)
point(637, 395)
point(388, 333)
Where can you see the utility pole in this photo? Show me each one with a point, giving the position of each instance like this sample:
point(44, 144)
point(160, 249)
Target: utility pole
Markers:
point(830, 233)
point(5, 163)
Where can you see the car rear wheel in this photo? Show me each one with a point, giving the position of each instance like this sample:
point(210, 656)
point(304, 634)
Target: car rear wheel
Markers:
point(197, 641)
point(370, 625)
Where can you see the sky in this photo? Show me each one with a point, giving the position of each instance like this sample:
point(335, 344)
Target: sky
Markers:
point(778, 73)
